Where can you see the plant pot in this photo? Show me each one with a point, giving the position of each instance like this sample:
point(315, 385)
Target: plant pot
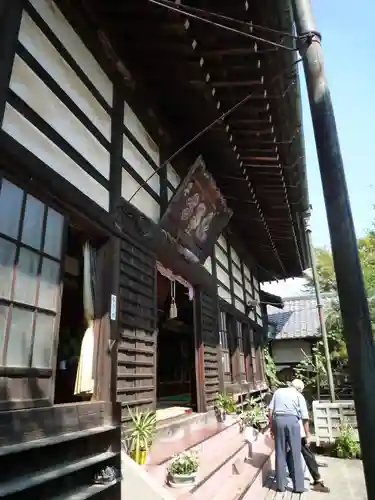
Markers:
point(139, 456)
point(251, 434)
point(182, 480)
point(220, 415)
point(231, 418)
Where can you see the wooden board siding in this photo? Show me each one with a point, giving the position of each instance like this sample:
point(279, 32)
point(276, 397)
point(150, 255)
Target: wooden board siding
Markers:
point(207, 333)
point(136, 374)
point(59, 107)
point(59, 101)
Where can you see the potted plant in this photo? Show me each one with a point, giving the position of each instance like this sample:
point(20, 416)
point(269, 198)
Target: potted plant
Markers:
point(219, 407)
point(347, 445)
point(253, 419)
point(225, 406)
point(182, 470)
point(141, 435)
point(230, 409)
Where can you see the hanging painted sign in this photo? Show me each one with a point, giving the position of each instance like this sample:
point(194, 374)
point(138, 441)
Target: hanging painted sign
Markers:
point(197, 213)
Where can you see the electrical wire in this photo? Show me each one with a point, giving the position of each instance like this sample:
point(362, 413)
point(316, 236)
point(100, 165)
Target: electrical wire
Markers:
point(218, 25)
point(203, 131)
point(232, 19)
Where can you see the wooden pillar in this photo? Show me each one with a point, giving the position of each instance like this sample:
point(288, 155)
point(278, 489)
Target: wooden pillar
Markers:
point(199, 351)
point(219, 351)
point(117, 125)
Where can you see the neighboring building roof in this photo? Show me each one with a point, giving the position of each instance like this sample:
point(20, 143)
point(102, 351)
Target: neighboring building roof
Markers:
point(270, 298)
point(299, 318)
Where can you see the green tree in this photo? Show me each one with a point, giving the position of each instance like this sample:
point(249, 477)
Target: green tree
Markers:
point(312, 369)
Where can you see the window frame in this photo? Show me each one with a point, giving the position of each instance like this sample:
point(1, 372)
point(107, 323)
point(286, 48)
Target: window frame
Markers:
point(242, 369)
point(224, 341)
point(18, 377)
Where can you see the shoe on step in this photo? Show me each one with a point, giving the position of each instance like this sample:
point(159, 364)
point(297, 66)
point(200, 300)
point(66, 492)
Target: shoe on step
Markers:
point(321, 487)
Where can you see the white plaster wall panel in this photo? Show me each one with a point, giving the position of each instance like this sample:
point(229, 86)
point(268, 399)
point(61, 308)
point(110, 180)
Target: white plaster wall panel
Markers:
point(221, 256)
point(290, 351)
point(235, 257)
point(135, 127)
point(223, 294)
point(172, 176)
point(247, 272)
point(249, 288)
point(37, 143)
point(223, 242)
point(37, 44)
point(169, 193)
point(142, 200)
point(239, 306)
point(140, 164)
point(223, 277)
point(208, 265)
point(257, 297)
point(238, 290)
point(31, 89)
point(237, 273)
point(52, 16)
point(248, 300)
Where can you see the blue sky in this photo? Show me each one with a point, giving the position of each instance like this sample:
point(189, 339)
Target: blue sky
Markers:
point(346, 27)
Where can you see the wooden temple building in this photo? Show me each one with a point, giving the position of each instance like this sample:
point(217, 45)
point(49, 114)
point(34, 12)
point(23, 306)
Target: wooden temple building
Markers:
point(158, 293)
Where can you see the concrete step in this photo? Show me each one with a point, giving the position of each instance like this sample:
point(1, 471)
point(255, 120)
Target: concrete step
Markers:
point(182, 434)
point(226, 471)
point(210, 444)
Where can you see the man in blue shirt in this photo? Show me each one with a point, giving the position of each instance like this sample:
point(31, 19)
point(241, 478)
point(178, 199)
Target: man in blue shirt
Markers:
point(286, 411)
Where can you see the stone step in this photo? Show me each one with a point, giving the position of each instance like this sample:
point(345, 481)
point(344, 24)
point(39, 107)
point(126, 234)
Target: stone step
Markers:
point(226, 470)
point(253, 473)
point(211, 445)
point(185, 435)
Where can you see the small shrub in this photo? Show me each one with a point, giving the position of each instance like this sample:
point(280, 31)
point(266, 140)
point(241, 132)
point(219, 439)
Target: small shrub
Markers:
point(255, 415)
point(184, 464)
point(225, 403)
point(346, 445)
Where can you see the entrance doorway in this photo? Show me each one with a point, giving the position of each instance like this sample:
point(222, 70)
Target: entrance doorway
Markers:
point(176, 380)
point(73, 320)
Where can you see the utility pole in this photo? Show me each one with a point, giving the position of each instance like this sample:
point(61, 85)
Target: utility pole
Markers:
point(319, 306)
point(350, 284)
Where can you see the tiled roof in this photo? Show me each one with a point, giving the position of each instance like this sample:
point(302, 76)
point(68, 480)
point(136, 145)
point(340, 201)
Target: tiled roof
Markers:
point(299, 317)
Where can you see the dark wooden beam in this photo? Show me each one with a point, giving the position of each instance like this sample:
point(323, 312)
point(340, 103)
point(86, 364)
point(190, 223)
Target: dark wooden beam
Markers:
point(234, 51)
point(231, 84)
point(266, 159)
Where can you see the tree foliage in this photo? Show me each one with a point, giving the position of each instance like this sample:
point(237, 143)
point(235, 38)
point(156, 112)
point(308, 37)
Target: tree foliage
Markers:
point(270, 369)
point(312, 369)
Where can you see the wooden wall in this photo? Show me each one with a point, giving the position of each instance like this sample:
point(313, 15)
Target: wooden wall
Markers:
point(137, 322)
point(65, 111)
point(208, 369)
